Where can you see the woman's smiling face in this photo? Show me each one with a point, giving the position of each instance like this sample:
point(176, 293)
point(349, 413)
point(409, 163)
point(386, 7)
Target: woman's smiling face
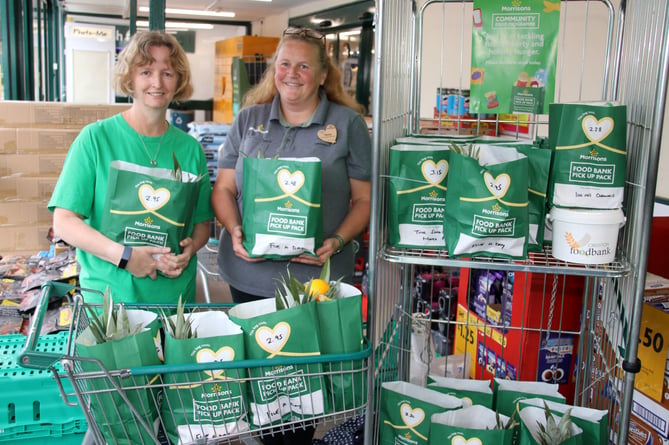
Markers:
point(298, 72)
point(155, 84)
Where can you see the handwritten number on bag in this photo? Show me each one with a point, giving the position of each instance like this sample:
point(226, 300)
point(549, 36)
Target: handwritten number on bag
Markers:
point(596, 129)
point(277, 337)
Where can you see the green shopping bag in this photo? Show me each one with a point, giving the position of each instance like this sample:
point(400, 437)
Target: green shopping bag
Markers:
point(589, 143)
point(205, 404)
point(507, 393)
point(472, 392)
point(406, 410)
point(593, 422)
point(417, 195)
point(475, 424)
point(539, 161)
point(112, 413)
point(282, 215)
point(340, 332)
point(281, 393)
point(532, 419)
point(487, 200)
point(148, 206)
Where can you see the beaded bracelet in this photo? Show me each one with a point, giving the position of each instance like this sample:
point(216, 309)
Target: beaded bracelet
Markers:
point(341, 242)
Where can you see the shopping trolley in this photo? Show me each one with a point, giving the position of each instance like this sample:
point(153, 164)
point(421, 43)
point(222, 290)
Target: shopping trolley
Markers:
point(143, 411)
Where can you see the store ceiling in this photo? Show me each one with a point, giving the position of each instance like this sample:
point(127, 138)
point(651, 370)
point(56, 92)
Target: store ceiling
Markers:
point(245, 10)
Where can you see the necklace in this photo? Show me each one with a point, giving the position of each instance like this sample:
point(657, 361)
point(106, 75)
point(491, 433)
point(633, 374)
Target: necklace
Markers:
point(155, 156)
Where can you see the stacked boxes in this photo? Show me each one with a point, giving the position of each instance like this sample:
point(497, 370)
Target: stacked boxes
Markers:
point(650, 403)
point(34, 139)
point(506, 328)
point(211, 135)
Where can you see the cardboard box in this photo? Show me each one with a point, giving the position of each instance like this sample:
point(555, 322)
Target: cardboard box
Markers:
point(31, 238)
point(36, 140)
point(27, 189)
point(656, 290)
point(25, 213)
point(8, 137)
point(44, 140)
point(31, 165)
point(648, 420)
point(21, 114)
point(504, 325)
point(653, 379)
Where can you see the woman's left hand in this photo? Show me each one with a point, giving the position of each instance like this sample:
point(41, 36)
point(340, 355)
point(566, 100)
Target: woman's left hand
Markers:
point(329, 248)
point(173, 265)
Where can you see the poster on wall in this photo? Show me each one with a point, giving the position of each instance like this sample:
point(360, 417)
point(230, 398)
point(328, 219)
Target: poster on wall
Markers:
point(514, 53)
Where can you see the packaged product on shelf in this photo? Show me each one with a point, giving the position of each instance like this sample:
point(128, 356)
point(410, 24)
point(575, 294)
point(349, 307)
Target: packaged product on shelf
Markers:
point(585, 236)
point(506, 329)
point(487, 200)
point(589, 143)
point(417, 195)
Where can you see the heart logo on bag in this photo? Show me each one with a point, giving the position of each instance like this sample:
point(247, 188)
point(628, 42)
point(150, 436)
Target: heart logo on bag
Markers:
point(433, 172)
point(460, 440)
point(153, 199)
point(597, 130)
point(290, 182)
point(207, 355)
point(411, 417)
point(328, 135)
point(498, 186)
point(273, 340)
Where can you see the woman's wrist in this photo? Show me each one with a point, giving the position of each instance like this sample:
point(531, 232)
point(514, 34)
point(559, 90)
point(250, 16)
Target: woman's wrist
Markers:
point(340, 240)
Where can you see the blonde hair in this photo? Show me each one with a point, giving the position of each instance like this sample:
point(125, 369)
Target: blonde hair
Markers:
point(137, 53)
point(265, 90)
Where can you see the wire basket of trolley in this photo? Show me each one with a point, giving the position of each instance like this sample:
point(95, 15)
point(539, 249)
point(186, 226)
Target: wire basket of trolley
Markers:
point(206, 373)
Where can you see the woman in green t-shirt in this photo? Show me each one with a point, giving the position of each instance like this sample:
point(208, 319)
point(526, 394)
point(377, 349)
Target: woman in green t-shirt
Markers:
point(136, 265)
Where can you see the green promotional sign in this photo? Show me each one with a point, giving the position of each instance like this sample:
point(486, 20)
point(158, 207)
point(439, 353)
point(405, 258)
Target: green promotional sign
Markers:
point(514, 54)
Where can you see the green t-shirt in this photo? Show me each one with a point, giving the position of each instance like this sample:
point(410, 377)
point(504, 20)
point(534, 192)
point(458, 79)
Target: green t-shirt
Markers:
point(82, 188)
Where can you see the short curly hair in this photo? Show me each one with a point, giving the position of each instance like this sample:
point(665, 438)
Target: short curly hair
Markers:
point(136, 53)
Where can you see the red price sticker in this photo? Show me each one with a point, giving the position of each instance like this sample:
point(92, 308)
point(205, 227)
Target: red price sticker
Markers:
point(653, 347)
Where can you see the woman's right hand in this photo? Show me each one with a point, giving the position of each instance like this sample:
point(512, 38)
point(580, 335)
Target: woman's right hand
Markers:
point(237, 237)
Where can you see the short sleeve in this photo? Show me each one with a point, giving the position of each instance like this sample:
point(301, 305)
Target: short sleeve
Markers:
point(359, 162)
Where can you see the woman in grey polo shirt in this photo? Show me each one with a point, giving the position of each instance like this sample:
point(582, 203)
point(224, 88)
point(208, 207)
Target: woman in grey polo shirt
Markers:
point(299, 109)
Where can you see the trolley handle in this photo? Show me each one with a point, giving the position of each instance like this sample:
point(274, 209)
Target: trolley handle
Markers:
point(29, 357)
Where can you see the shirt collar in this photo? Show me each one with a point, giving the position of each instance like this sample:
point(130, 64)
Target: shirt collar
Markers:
point(317, 118)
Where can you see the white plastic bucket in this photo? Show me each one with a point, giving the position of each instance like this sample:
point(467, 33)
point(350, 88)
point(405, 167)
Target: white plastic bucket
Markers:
point(585, 236)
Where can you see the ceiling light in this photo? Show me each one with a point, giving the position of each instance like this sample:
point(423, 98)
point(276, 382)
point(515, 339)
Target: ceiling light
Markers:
point(193, 12)
point(145, 24)
point(355, 32)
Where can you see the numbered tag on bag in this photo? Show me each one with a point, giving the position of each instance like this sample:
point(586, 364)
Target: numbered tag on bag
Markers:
point(653, 348)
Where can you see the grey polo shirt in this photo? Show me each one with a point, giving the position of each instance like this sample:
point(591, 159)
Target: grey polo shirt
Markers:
point(339, 137)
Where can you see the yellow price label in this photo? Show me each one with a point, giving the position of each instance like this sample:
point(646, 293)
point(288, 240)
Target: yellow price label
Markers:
point(653, 347)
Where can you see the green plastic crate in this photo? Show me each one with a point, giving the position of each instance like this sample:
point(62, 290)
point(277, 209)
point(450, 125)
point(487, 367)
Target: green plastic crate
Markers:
point(31, 407)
